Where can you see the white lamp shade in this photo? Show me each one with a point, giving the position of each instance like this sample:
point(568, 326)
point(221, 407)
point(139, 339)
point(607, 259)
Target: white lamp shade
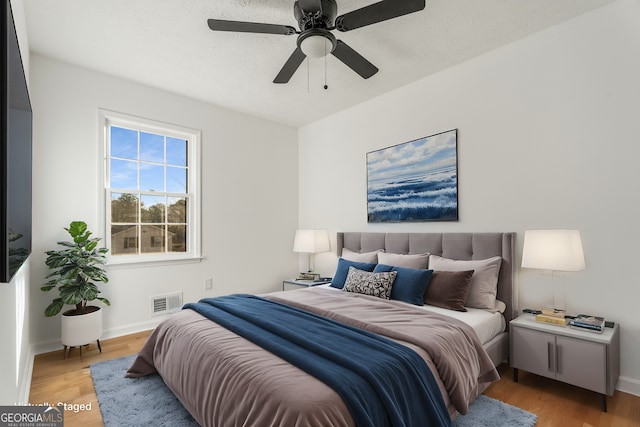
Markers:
point(316, 46)
point(311, 241)
point(559, 250)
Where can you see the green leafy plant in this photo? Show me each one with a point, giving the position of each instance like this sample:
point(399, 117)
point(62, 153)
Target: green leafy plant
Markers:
point(76, 270)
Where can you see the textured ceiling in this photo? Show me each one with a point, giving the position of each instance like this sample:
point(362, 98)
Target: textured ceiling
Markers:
point(167, 44)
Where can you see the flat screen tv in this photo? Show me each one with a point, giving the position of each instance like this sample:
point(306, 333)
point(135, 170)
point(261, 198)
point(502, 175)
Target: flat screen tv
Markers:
point(15, 154)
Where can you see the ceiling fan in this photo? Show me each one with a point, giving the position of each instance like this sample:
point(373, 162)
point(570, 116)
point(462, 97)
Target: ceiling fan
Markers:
point(316, 19)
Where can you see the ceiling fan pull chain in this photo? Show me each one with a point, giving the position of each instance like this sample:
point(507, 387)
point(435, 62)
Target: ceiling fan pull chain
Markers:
point(325, 70)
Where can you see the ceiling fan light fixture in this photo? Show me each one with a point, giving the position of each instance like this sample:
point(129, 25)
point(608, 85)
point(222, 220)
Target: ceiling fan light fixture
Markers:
point(316, 43)
point(315, 46)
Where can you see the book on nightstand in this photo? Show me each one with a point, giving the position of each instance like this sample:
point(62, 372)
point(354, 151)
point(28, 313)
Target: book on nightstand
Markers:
point(554, 320)
point(554, 312)
point(586, 322)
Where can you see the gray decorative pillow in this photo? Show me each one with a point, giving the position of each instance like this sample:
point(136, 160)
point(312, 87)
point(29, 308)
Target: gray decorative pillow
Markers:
point(418, 261)
point(449, 289)
point(374, 284)
point(484, 282)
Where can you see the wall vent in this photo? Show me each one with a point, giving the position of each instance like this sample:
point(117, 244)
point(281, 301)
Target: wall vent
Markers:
point(163, 304)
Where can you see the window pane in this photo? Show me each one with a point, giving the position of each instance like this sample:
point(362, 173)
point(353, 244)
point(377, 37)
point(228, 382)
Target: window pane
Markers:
point(150, 180)
point(124, 143)
point(152, 239)
point(177, 210)
point(123, 174)
point(151, 177)
point(177, 237)
point(176, 180)
point(176, 152)
point(124, 207)
point(152, 209)
point(151, 147)
point(124, 239)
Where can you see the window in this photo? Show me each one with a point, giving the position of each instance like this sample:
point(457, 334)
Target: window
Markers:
point(151, 197)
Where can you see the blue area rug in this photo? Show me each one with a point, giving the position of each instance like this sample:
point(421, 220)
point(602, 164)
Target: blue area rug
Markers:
point(147, 401)
point(488, 412)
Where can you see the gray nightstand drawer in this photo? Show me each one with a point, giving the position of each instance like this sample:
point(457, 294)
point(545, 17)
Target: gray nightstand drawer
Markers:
point(582, 363)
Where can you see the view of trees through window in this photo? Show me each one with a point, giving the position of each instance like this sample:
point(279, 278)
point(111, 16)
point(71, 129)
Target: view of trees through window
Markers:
point(148, 184)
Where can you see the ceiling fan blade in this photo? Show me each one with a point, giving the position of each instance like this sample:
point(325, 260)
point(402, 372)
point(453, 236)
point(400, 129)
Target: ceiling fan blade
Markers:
point(250, 27)
point(354, 60)
point(377, 12)
point(311, 7)
point(290, 66)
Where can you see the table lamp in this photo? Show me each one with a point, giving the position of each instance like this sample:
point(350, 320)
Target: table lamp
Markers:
point(311, 242)
point(553, 250)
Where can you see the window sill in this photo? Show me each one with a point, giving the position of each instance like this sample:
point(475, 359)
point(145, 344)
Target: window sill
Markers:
point(142, 261)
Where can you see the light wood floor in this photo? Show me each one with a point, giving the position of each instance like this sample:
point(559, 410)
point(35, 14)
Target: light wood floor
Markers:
point(56, 380)
point(69, 381)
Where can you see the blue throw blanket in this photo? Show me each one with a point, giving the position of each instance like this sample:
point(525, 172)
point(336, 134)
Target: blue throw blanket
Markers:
point(382, 383)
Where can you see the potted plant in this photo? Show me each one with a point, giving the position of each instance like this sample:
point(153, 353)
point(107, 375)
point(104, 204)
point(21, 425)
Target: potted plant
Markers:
point(76, 271)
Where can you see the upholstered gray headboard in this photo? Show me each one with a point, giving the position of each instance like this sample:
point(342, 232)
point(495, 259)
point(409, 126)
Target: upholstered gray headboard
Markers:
point(463, 246)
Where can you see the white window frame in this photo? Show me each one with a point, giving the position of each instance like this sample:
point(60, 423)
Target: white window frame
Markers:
point(193, 137)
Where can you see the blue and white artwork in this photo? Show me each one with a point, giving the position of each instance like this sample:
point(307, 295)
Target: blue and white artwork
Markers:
point(415, 181)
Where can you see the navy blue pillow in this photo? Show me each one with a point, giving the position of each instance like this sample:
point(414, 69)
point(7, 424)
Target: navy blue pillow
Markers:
point(410, 284)
point(343, 270)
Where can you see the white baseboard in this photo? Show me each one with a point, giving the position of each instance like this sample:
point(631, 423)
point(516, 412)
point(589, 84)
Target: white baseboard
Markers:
point(46, 347)
point(629, 385)
point(25, 378)
point(132, 329)
point(53, 345)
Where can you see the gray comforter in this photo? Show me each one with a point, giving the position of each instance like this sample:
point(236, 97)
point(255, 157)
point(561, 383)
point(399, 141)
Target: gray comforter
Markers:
point(224, 380)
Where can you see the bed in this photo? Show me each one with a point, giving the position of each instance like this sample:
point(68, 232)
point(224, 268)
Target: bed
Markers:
point(224, 379)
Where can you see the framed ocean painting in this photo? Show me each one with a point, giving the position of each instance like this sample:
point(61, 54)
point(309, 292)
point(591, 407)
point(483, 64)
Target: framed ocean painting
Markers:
point(415, 181)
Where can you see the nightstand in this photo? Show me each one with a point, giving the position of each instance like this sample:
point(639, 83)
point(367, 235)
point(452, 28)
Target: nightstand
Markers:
point(290, 284)
point(581, 358)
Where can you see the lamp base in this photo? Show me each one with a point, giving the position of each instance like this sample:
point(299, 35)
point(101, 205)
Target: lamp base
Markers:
point(559, 297)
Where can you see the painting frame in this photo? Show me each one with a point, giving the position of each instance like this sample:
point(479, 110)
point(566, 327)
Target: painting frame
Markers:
point(414, 181)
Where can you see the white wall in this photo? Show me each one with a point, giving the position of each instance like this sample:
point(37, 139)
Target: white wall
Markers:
point(249, 194)
point(16, 358)
point(548, 138)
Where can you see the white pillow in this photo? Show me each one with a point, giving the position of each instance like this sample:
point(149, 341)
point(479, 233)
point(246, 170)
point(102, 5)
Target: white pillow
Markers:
point(418, 261)
point(370, 257)
point(484, 282)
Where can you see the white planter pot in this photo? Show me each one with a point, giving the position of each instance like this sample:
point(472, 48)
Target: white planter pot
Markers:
point(81, 330)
